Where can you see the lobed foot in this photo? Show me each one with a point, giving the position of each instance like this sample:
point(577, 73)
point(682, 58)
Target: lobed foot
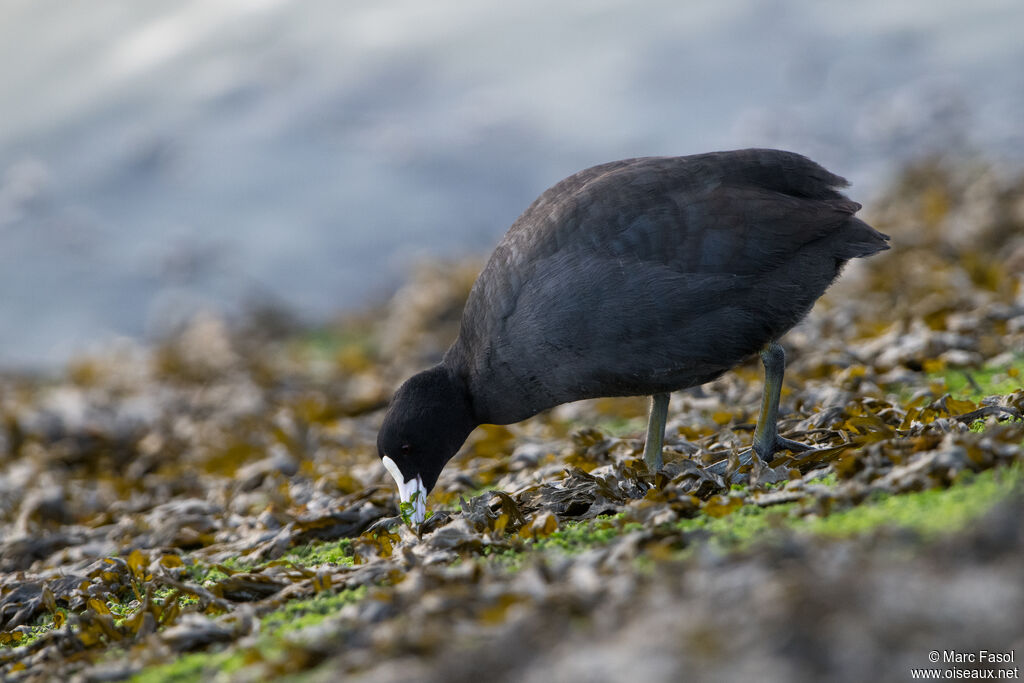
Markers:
point(746, 457)
point(767, 451)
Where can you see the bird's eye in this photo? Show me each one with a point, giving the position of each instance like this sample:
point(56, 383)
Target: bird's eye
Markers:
point(406, 448)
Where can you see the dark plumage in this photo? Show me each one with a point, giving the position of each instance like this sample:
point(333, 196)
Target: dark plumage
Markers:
point(641, 276)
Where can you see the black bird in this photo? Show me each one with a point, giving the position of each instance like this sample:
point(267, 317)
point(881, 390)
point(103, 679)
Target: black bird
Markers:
point(635, 277)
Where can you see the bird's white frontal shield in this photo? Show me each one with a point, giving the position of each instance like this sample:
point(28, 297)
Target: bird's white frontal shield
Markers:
point(412, 491)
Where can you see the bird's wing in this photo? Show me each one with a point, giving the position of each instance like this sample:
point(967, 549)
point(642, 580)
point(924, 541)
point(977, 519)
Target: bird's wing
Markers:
point(723, 212)
point(700, 231)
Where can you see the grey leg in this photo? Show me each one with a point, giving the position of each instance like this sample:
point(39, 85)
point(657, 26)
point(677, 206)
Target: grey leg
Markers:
point(656, 432)
point(766, 436)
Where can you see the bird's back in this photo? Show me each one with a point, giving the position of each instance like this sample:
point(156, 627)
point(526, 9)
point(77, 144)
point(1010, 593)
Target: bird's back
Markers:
point(652, 274)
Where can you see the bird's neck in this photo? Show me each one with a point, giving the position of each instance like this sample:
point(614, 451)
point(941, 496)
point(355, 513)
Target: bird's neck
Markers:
point(455, 390)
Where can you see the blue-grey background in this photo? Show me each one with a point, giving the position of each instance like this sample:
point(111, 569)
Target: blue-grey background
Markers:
point(160, 158)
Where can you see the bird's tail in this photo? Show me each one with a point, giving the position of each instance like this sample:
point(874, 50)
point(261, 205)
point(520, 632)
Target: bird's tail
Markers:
point(860, 240)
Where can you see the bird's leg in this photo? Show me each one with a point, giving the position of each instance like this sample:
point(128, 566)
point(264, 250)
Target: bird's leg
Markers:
point(656, 432)
point(766, 436)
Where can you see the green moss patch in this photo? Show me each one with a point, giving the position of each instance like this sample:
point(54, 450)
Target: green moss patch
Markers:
point(740, 528)
point(299, 614)
point(578, 536)
point(929, 513)
point(190, 667)
point(318, 553)
point(293, 616)
point(1001, 379)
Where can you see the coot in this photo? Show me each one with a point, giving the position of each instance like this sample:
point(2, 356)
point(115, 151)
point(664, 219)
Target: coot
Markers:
point(635, 277)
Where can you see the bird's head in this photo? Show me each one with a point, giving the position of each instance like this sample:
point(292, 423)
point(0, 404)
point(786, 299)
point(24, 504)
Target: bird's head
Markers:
point(426, 423)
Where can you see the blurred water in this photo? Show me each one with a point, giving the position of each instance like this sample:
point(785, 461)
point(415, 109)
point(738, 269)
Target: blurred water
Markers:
point(163, 157)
